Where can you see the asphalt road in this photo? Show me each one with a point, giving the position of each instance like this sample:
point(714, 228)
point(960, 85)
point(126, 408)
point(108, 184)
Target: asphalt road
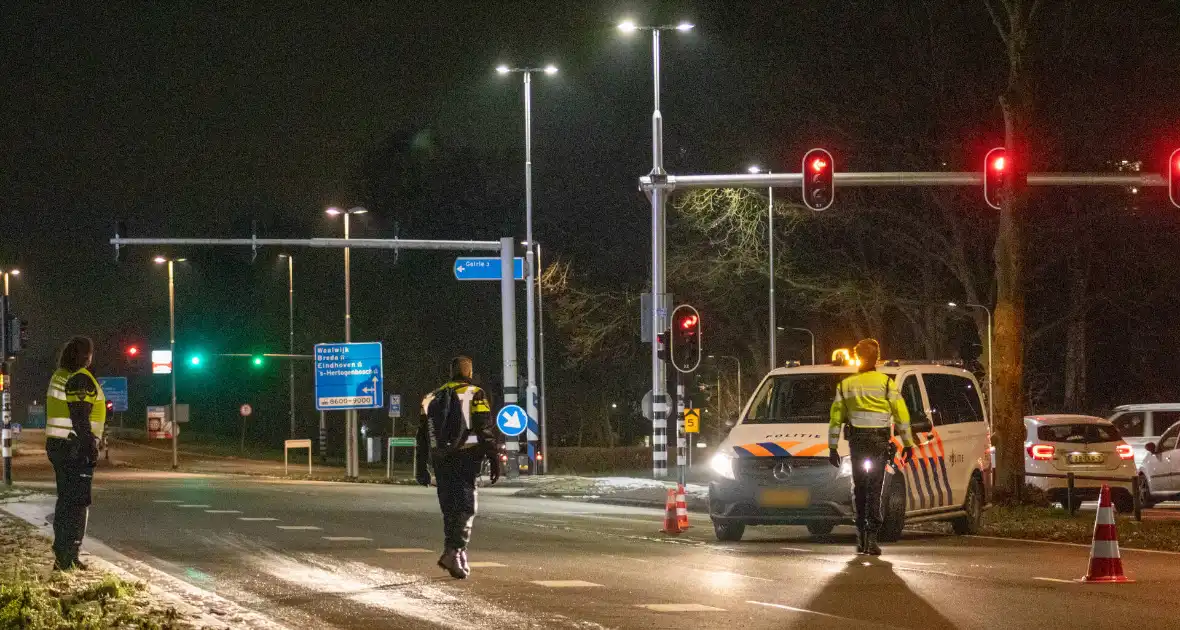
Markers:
point(325, 555)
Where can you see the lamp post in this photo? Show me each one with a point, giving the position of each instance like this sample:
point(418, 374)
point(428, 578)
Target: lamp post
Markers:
point(160, 260)
point(658, 254)
point(290, 338)
point(6, 397)
point(529, 263)
point(990, 367)
point(351, 454)
point(811, 334)
point(770, 267)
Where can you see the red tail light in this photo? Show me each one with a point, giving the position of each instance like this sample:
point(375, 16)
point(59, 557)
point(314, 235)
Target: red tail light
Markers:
point(1041, 452)
point(1125, 451)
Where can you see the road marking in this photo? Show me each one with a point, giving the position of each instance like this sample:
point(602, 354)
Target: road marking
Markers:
point(808, 612)
point(1068, 544)
point(1055, 580)
point(298, 527)
point(405, 550)
point(194, 506)
point(167, 501)
point(485, 565)
point(796, 549)
point(223, 511)
point(257, 518)
point(564, 583)
point(346, 538)
point(680, 608)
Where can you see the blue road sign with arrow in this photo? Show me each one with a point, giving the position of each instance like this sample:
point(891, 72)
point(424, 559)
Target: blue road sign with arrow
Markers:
point(348, 376)
point(485, 268)
point(512, 420)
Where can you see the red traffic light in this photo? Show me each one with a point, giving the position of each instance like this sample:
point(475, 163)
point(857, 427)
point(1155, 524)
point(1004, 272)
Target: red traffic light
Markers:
point(689, 322)
point(995, 170)
point(819, 188)
point(132, 351)
point(1174, 178)
point(685, 341)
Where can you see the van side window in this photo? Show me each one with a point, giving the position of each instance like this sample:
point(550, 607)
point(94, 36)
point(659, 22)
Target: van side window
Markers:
point(1130, 424)
point(912, 395)
point(953, 399)
point(1163, 420)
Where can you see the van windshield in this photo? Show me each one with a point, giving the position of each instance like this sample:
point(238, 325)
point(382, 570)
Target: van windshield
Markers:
point(795, 399)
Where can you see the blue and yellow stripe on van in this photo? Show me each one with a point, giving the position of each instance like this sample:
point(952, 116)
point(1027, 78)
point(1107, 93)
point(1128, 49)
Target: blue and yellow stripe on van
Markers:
point(779, 449)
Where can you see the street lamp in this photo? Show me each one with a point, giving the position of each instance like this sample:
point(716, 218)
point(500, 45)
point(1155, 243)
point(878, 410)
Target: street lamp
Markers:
point(811, 334)
point(352, 466)
point(530, 262)
point(290, 338)
point(770, 267)
point(990, 367)
point(160, 260)
point(9, 272)
point(658, 254)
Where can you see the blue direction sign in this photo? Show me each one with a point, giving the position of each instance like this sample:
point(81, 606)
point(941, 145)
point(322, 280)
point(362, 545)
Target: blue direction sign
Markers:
point(115, 389)
point(485, 268)
point(348, 376)
point(512, 420)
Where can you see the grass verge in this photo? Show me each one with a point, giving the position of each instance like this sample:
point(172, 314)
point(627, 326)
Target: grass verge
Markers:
point(1056, 525)
point(33, 597)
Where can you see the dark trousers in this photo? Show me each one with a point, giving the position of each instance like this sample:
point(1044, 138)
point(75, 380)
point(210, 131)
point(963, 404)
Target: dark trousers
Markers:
point(871, 450)
point(455, 475)
point(74, 473)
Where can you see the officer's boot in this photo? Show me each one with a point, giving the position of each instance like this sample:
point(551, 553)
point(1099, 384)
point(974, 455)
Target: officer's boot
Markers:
point(449, 562)
point(861, 547)
point(463, 561)
point(871, 546)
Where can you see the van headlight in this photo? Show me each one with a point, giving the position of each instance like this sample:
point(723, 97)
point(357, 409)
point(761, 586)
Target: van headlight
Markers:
point(846, 466)
point(722, 464)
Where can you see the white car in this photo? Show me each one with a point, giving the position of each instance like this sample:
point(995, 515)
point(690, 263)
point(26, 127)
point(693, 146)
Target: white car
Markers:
point(773, 467)
point(1159, 476)
point(1085, 446)
point(1140, 424)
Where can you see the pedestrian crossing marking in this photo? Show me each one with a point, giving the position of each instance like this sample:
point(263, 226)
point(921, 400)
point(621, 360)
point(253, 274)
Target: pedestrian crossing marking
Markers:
point(223, 511)
point(346, 538)
point(298, 527)
point(564, 583)
point(257, 518)
point(485, 565)
point(680, 608)
point(194, 506)
point(405, 550)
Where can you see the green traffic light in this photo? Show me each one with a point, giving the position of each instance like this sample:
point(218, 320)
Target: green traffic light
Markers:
point(195, 360)
point(258, 361)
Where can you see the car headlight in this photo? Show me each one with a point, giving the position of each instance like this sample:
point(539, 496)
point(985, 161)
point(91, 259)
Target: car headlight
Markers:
point(722, 464)
point(846, 466)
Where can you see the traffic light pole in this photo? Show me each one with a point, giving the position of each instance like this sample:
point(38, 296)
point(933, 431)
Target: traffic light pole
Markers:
point(669, 183)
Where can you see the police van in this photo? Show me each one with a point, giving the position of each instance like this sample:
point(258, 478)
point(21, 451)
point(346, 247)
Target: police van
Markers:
point(773, 468)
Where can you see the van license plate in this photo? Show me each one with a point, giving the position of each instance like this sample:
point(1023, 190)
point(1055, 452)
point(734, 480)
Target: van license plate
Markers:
point(1086, 458)
point(791, 497)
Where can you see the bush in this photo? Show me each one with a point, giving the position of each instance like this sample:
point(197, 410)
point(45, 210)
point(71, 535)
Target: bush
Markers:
point(597, 460)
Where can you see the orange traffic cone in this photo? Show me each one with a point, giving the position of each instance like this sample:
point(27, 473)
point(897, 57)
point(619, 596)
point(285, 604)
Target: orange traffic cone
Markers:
point(681, 509)
point(671, 523)
point(1106, 567)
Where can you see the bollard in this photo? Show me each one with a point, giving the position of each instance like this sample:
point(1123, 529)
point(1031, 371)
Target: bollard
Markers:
point(1136, 498)
point(1071, 505)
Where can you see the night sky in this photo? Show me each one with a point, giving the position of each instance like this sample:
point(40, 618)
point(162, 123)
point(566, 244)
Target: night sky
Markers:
point(189, 120)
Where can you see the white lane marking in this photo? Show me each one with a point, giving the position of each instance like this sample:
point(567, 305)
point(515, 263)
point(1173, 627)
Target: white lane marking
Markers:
point(485, 565)
point(167, 501)
point(257, 518)
point(298, 527)
point(680, 608)
point(405, 550)
point(346, 538)
point(916, 563)
point(796, 549)
point(223, 511)
point(564, 583)
point(194, 506)
point(808, 612)
point(1056, 580)
point(1066, 544)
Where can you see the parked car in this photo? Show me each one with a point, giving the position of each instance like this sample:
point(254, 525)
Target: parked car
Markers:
point(1159, 476)
point(1084, 445)
point(1140, 424)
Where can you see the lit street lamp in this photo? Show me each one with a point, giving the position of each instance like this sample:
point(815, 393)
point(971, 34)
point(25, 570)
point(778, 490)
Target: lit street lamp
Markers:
point(160, 260)
point(770, 268)
point(530, 263)
point(658, 253)
point(290, 337)
point(811, 334)
point(9, 272)
point(351, 454)
point(990, 367)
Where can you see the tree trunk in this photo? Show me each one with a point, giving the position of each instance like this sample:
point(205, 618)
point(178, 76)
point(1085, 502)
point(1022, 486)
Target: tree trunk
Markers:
point(1075, 332)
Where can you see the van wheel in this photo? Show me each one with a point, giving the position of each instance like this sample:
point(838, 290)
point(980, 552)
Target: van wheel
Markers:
point(893, 517)
point(820, 529)
point(1145, 499)
point(969, 524)
point(730, 531)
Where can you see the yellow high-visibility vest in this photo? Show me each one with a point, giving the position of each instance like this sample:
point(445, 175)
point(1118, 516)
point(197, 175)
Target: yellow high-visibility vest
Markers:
point(869, 400)
point(57, 405)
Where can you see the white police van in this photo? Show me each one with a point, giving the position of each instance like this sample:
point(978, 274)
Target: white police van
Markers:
point(773, 468)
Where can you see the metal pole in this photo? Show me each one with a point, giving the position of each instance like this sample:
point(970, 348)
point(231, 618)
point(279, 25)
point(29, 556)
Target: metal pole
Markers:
point(659, 400)
point(990, 367)
point(508, 325)
point(5, 399)
point(323, 439)
point(543, 420)
point(770, 245)
point(530, 277)
point(291, 340)
point(175, 363)
point(351, 465)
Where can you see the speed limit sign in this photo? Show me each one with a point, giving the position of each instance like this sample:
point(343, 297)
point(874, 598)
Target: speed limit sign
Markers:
point(246, 409)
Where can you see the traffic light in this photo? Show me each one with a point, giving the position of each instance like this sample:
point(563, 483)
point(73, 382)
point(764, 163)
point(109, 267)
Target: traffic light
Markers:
point(819, 187)
point(665, 353)
point(134, 357)
point(686, 339)
point(196, 360)
point(257, 361)
point(1174, 178)
point(14, 332)
point(995, 175)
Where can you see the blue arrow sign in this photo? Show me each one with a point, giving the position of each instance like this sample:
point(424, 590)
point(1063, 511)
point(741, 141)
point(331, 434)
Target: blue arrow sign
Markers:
point(114, 388)
point(512, 420)
point(348, 376)
point(485, 268)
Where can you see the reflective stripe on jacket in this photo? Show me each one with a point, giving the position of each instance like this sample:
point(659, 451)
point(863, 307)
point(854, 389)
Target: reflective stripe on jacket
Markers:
point(59, 396)
point(869, 400)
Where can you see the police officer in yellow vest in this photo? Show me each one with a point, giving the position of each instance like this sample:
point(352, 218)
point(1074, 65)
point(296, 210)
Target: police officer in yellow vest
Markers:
point(75, 410)
point(868, 402)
